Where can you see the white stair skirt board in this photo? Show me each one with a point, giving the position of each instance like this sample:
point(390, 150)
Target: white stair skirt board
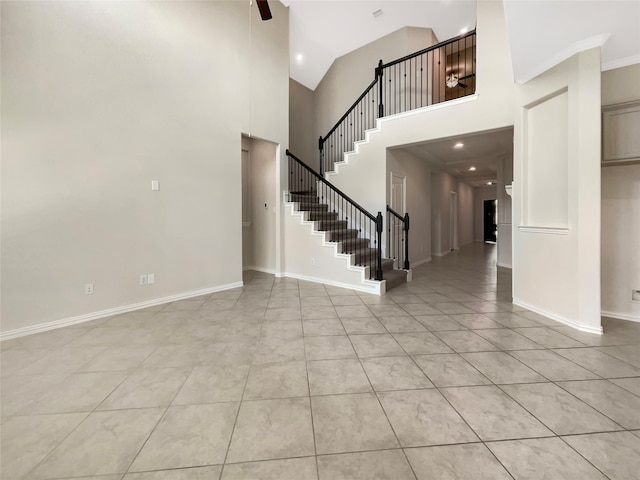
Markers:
point(558, 318)
point(314, 258)
point(44, 327)
point(381, 121)
point(620, 316)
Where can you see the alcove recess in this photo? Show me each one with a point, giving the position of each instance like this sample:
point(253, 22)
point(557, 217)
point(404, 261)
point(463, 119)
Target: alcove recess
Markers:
point(620, 139)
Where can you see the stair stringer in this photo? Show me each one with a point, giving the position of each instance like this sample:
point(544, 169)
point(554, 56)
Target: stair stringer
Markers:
point(304, 242)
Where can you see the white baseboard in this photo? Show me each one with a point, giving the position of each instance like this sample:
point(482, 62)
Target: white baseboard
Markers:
point(65, 322)
point(376, 288)
point(620, 316)
point(260, 269)
point(558, 318)
point(420, 262)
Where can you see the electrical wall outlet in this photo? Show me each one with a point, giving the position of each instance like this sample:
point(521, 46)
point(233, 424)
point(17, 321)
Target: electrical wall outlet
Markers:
point(151, 278)
point(88, 288)
point(143, 279)
point(313, 261)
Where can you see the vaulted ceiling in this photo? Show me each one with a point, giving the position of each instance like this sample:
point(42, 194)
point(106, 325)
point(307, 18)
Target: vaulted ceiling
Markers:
point(541, 32)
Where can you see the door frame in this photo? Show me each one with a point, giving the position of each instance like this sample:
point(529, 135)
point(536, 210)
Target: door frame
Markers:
point(453, 221)
point(392, 236)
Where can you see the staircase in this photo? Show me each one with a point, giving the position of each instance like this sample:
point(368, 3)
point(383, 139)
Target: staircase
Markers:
point(435, 74)
point(348, 240)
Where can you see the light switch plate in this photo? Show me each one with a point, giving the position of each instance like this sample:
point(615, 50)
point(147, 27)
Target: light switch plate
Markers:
point(155, 185)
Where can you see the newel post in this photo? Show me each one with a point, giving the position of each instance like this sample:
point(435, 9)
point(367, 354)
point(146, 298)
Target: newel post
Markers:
point(379, 72)
point(406, 241)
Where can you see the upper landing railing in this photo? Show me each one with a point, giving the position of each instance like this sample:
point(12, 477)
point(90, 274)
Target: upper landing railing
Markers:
point(442, 72)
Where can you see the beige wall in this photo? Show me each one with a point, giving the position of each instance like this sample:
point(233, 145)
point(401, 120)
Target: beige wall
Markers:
point(465, 214)
point(620, 211)
point(100, 98)
point(350, 74)
point(418, 201)
point(302, 139)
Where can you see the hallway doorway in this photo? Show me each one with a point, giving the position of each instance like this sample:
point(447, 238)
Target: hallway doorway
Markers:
point(489, 219)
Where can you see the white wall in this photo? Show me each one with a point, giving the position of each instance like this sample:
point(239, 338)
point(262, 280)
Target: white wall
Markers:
point(100, 98)
point(418, 203)
point(480, 195)
point(620, 211)
point(556, 244)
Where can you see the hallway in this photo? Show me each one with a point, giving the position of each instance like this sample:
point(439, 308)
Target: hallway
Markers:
point(283, 379)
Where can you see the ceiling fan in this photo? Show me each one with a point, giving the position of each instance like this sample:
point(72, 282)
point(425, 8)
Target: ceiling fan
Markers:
point(454, 81)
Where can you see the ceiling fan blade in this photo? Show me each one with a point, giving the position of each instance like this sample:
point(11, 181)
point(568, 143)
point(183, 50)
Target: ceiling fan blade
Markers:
point(467, 76)
point(265, 11)
point(462, 85)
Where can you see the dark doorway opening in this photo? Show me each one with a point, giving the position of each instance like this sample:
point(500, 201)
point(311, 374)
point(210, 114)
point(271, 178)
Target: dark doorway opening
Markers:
point(489, 220)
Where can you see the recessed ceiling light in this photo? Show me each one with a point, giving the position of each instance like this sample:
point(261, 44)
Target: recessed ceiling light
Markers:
point(464, 30)
point(458, 145)
point(472, 169)
point(489, 183)
point(299, 57)
point(377, 13)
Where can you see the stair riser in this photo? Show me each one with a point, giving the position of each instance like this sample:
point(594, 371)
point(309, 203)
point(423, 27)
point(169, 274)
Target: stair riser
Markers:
point(319, 216)
point(342, 235)
point(332, 225)
point(304, 199)
point(351, 246)
point(311, 207)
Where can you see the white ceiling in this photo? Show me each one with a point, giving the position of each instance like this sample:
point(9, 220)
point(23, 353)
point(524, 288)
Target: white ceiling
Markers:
point(323, 30)
point(542, 33)
point(481, 150)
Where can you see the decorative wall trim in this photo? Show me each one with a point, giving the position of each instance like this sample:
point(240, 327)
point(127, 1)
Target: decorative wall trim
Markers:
point(373, 289)
point(558, 318)
point(44, 327)
point(621, 316)
point(561, 56)
point(545, 230)
point(621, 62)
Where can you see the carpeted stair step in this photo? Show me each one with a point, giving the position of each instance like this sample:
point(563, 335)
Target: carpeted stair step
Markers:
point(332, 225)
point(342, 234)
point(314, 216)
point(365, 256)
point(354, 245)
point(394, 278)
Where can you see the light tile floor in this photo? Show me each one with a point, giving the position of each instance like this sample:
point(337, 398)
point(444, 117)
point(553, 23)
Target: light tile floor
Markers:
point(282, 379)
